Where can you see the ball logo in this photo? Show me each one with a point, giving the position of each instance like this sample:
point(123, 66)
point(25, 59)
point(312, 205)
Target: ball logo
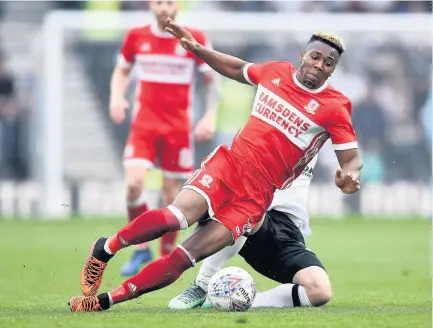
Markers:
point(233, 281)
point(238, 306)
point(243, 293)
point(227, 285)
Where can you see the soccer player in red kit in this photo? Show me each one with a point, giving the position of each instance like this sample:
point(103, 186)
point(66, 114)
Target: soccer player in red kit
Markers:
point(161, 128)
point(294, 112)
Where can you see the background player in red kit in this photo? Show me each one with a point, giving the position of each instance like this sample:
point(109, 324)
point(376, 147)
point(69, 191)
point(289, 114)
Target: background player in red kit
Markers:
point(294, 113)
point(161, 128)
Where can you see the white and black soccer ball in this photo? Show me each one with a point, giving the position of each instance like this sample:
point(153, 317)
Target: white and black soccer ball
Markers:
point(232, 289)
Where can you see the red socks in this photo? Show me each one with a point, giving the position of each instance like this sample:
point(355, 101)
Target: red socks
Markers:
point(148, 226)
point(168, 243)
point(156, 275)
point(134, 212)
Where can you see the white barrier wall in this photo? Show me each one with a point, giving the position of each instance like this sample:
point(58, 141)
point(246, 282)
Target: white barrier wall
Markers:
point(96, 200)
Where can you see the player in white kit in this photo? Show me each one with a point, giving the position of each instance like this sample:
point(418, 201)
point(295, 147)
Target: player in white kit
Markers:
point(277, 250)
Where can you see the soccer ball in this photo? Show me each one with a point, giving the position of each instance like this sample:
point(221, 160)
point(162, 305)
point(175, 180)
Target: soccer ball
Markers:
point(232, 289)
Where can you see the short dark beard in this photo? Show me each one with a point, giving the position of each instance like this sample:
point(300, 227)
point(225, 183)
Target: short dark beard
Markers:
point(304, 83)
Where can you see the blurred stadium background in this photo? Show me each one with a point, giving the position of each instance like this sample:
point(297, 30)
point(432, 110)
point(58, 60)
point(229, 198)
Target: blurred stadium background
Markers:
point(60, 155)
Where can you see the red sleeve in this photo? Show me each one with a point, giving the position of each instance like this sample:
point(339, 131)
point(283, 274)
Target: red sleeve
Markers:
point(253, 72)
point(342, 133)
point(203, 40)
point(127, 53)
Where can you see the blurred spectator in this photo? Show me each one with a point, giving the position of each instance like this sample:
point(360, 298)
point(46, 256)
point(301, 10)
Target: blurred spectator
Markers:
point(426, 118)
point(277, 5)
point(9, 125)
point(135, 5)
point(352, 6)
point(251, 6)
point(98, 35)
point(411, 6)
point(371, 124)
point(374, 166)
point(352, 85)
point(324, 6)
point(72, 5)
point(346, 6)
point(369, 120)
point(2, 9)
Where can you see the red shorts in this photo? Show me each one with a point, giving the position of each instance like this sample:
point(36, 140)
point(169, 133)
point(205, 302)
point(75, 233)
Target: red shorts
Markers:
point(172, 150)
point(236, 195)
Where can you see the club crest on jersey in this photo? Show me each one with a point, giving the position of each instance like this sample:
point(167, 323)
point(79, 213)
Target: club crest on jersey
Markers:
point(206, 180)
point(312, 106)
point(180, 51)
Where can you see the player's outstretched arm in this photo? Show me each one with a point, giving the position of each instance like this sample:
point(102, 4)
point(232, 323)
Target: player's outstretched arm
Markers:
point(347, 178)
point(229, 66)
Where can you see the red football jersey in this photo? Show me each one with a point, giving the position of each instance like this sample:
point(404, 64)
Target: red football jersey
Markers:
point(289, 123)
point(165, 72)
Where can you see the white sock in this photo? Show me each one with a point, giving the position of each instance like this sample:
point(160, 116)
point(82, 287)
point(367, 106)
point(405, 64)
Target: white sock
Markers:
point(282, 297)
point(215, 262)
point(107, 248)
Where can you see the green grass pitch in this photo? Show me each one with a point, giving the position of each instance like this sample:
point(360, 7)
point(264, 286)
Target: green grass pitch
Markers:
point(380, 270)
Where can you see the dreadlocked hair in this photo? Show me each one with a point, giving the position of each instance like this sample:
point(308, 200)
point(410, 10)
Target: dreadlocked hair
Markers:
point(330, 39)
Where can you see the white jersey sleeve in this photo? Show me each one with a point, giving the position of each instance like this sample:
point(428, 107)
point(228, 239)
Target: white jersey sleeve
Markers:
point(294, 200)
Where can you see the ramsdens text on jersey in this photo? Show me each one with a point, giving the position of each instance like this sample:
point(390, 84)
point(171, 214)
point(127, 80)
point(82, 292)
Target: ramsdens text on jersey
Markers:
point(295, 125)
point(283, 116)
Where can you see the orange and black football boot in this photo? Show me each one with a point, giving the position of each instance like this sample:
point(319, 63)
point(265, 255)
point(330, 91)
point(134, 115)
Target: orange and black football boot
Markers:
point(90, 303)
point(93, 268)
point(84, 304)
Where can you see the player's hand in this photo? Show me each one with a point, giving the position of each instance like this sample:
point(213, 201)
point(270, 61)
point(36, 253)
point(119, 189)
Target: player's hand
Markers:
point(187, 41)
point(347, 182)
point(205, 128)
point(118, 110)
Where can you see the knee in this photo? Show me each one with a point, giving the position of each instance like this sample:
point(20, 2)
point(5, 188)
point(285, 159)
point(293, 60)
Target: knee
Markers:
point(170, 188)
point(319, 292)
point(191, 204)
point(134, 188)
point(316, 284)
